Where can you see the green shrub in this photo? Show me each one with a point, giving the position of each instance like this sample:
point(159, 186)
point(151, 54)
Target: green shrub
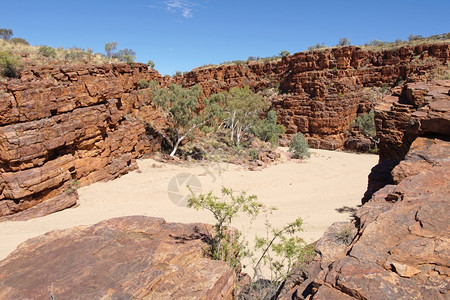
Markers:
point(317, 46)
point(375, 43)
point(344, 235)
point(366, 124)
point(299, 146)
point(74, 54)
point(151, 64)
point(412, 37)
point(143, 84)
point(126, 55)
point(374, 150)
point(284, 53)
point(344, 42)
point(253, 153)
point(47, 51)
point(268, 129)
point(280, 249)
point(19, 41)
point(5, 34)
point(225, 244)
point(10, 65)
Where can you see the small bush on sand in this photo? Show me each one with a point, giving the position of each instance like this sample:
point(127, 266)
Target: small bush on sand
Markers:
point(225, 245)
point(299, 146)
point(280, 249)
point(268, 130)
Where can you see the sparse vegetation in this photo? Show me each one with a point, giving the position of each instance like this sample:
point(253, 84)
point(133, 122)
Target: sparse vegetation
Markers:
point(43, 55)
point(75, 184)
point(239, 110)
point(126, 55)
point(366, 124)
point(5, 34)
point(268, 130)
point(110, 49)
point(225, 243)
point(253, 153)
point(284, 53)
point(179, 105)
point(19, 41)
point(317, 46)
point(413, 40)
point(279, 251)
point(299, 146)
point(143, 84)
point(344, 42)
point(344, 235)
point(413, 37)
point(10, 65)
point(47, 51)
point(151, 64)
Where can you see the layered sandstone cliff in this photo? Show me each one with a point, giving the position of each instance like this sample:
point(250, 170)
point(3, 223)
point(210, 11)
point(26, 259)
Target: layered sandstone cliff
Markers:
point(63, 126)
point(321, 92)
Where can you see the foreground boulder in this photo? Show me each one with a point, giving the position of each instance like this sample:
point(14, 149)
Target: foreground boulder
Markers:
point(123, 258)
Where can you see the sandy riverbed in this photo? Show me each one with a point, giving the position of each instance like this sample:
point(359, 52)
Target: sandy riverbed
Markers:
point(313, 190)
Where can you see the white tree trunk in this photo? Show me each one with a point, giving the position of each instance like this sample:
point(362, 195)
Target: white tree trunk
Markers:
point(180, 139)
point(175, 148)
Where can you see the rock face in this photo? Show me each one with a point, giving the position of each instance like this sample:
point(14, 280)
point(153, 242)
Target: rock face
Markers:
point(401, 237)
point(417, 109)
point(323, 91)
point(65, 126)
point(123, 258)
point(414, 109)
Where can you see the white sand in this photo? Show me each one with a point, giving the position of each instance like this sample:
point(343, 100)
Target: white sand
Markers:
point(312, 189)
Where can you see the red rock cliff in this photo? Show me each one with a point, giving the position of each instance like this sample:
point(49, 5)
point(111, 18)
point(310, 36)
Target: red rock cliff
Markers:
point(321, 92)
point(398, 245)
point(63, 126)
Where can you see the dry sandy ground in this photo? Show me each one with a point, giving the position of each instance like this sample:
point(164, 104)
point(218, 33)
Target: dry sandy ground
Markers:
point(313, 190)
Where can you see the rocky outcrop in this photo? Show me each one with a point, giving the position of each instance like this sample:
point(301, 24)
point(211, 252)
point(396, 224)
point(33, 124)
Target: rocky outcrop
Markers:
point(399, 242)
point(416, 109)
point(65, 126)
point(321, 92)
point(412, 110)
point(124, 258)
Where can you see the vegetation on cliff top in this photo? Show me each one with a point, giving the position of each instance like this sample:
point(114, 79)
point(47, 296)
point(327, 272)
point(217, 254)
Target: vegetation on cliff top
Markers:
point(373, 45)
point(19, 49)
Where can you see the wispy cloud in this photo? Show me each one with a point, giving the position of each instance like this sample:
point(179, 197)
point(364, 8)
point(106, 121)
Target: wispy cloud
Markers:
point(186, 8)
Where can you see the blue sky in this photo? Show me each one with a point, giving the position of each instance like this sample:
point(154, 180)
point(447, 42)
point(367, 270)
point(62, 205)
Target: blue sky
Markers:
point(179, 35)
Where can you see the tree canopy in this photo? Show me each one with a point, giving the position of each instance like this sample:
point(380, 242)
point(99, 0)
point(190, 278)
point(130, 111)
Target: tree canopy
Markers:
point(241, 108)
point(180, 106)
point(6, 34)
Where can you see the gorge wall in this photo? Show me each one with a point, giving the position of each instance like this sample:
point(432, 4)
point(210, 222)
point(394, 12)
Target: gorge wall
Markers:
point(400, 238)
point(62, 126)
point(321, 92)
